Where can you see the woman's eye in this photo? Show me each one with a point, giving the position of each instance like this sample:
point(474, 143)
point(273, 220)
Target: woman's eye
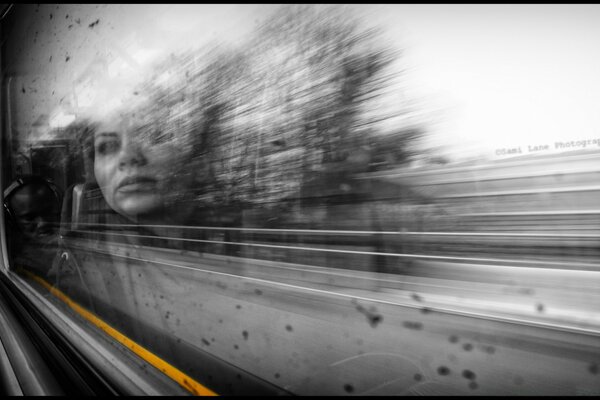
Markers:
point(107, 147)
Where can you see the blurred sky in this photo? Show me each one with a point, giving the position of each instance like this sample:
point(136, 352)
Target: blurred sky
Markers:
point(503, 75)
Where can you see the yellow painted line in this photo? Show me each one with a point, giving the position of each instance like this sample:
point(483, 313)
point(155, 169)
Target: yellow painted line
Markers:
point(166, 368)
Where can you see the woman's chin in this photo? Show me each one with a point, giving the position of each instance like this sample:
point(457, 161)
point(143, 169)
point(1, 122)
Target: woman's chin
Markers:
point(141, 208)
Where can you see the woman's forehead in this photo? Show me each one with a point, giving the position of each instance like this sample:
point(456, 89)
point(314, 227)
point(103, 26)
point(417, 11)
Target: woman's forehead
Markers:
point(122, 123)
point(172, 123)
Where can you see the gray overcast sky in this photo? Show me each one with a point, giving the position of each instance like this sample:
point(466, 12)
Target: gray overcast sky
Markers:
point(507, 75)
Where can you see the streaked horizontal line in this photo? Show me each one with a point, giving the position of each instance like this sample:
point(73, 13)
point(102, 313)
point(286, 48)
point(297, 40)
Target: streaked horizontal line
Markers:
point(483, 167)
point(534, 213)
point(346, 232)
point(521, 192)
point(463, 313)
point(476, 179)
point(326, 271)
point(593, 267)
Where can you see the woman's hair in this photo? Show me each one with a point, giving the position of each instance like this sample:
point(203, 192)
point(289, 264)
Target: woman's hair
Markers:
point(82, 132)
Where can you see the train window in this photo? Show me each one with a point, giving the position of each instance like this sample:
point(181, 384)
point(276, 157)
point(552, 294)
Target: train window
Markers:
point(252, 199)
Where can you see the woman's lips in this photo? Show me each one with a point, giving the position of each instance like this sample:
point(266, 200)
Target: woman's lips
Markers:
point(137, 184)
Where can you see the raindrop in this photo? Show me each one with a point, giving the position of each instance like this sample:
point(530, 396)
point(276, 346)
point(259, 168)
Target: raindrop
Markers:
point(468, 374)
point(443, 370)
point(473, 385)
point(289, 328)
point(258, 291)
point(374, 320)
point(468, 346)
point(416, 297)
point(593, 368)
point(348, 388)
point(413, 325)
point(206, 342)
point(418, 377)
point(372, 317)
point(539, 307)
point(245, 335)
point(453, 339)
point(489, 349)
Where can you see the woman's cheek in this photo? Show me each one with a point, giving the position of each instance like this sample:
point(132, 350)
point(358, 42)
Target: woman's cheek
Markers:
point(106, 176)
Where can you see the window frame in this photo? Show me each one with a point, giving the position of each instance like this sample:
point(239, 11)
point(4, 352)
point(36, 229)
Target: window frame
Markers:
point(39, 342)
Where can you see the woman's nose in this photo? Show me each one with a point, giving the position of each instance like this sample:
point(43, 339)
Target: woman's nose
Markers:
point(132, 154)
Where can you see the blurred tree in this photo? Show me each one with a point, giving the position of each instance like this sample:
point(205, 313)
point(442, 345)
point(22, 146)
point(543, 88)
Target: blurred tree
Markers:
point(294, 107)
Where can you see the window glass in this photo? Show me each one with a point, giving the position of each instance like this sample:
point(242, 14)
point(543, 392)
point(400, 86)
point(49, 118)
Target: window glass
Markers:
point(265, 199)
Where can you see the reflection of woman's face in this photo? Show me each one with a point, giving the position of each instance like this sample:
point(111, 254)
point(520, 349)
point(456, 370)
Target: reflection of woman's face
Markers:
point(138, 170)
